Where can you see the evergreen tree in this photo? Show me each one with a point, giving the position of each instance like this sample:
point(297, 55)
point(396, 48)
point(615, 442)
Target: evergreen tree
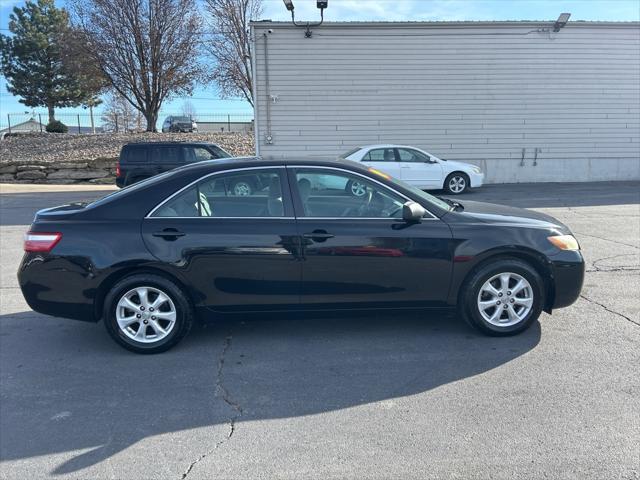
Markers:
point(33, 59)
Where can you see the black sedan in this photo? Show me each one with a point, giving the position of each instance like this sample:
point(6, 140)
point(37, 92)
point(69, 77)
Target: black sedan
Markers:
point(152, 258)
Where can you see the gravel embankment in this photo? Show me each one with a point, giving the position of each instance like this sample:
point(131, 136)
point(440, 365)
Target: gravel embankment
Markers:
point(66, 159)
point(47, 148)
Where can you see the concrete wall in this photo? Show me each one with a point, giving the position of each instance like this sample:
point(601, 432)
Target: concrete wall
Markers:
point(471, 91)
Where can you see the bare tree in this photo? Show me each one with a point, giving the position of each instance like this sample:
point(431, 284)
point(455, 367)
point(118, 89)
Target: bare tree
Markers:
point(119, 115)
point(230, 45)
point(147, 49)
point(188, 110)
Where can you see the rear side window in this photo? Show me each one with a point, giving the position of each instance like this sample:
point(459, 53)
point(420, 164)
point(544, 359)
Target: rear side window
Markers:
point(380, 155)
point(165, 154)
point(134, 154)
point(253, 193)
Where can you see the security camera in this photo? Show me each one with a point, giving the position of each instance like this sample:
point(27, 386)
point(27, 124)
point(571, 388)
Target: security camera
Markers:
point(270, 30)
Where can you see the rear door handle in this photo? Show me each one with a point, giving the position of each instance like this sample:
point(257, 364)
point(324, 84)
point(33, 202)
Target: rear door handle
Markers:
point(168, 233)
point(318, 235)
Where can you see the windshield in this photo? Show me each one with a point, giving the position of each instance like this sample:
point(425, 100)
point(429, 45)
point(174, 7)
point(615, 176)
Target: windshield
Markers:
point(181, 119)
point(220, 152)
point(430, 199)
point(350, 152)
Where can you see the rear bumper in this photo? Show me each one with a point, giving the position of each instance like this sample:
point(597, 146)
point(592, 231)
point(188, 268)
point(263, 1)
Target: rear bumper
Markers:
point(476, 180)
point(56, 287)
point(568, 274)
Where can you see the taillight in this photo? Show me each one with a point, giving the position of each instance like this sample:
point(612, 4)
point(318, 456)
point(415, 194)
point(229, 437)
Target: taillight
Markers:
point(118, 169)
point(41, 241)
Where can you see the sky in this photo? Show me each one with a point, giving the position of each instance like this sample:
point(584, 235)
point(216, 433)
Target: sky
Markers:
point(206, 99)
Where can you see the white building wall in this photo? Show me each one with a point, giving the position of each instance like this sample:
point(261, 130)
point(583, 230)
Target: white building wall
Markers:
point(477, 92)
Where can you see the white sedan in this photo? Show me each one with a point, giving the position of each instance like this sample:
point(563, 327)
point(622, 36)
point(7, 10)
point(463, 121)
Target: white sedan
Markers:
point(418, 168)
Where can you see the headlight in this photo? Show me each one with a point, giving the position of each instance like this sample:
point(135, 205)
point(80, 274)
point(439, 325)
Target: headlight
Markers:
point(476, 169)
point(564, 242)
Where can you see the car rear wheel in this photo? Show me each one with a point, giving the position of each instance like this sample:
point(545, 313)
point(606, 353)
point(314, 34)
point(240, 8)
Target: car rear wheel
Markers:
point(456, 183)
point(147, 313)
point(503, 297)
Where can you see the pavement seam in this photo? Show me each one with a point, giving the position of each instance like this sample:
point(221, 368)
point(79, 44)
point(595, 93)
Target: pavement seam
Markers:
point(609, 310)
point(221, 391)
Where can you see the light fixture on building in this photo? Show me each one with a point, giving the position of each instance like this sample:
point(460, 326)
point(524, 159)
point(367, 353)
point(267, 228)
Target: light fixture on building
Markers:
point(321, 4)
point(560, 22)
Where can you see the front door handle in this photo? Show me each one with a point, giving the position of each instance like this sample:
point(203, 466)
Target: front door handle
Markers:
point(169, 233)
point(318, 235)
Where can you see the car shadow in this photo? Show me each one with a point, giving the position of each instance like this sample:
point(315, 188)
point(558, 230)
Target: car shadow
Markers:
point(71, 388)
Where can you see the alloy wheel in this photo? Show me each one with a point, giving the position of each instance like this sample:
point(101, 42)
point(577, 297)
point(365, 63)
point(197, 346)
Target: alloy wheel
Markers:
point(457, 184)
point(146, 314)
point(242, 189)
point(505, 299)
point(358, 189)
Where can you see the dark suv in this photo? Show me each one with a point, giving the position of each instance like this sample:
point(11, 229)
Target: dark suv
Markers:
point(143, 160)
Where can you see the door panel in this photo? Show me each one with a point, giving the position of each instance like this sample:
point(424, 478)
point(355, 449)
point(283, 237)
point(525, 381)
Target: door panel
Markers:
point(375, 262)
point(231, 264)
point(236, 252)
point(417, 170)
point(356, 252)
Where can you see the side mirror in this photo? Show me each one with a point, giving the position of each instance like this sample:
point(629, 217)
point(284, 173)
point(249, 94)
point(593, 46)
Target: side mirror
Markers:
point(412, 212)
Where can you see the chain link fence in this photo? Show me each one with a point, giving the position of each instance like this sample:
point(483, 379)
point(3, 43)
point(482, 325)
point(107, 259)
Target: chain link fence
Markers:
point(87, 123)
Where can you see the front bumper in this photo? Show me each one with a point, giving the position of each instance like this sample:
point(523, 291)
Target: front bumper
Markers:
point(568, 275)
point(476, 179)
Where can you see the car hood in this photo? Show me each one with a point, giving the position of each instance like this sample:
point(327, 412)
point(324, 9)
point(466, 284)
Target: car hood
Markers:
point(491, 213)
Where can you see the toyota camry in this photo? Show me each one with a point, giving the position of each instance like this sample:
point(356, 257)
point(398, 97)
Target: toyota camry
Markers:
point(182, 246)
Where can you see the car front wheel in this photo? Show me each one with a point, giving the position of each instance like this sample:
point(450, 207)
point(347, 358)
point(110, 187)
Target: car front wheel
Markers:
point(456, 183)
point(147, 313)
point(503, 297)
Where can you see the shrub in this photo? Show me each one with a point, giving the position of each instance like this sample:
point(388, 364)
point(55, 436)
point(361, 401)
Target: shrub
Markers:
point(56, 126)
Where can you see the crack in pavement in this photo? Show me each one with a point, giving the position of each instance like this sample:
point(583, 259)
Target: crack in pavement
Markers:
point(607, 240)
point(618, 268)
point(609, 310)
point(221, 391)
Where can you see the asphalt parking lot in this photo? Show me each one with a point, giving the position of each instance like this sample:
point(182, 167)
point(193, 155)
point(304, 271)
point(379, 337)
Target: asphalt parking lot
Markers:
point(383, 396)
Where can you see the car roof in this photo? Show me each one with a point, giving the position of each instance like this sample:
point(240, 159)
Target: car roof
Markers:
point(386, 145)
point(253, 161)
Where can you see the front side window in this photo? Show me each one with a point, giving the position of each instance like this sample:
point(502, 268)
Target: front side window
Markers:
point(251, 193)
point(410, 155)
point(380, 155)
point(196, 154)
point(333, 194)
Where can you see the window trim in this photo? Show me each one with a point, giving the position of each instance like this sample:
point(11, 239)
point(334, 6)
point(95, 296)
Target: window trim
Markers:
point(297, 200)
point(284, 187)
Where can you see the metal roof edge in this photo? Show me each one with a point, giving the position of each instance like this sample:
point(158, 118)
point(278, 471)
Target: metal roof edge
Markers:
point(449, 24)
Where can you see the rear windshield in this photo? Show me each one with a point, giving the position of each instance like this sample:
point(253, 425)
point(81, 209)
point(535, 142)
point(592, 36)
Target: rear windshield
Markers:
point(131, 188)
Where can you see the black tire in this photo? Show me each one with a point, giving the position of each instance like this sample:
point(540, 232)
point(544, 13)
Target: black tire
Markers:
point(461, 177)
point(468, 299)
point(183, 309)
